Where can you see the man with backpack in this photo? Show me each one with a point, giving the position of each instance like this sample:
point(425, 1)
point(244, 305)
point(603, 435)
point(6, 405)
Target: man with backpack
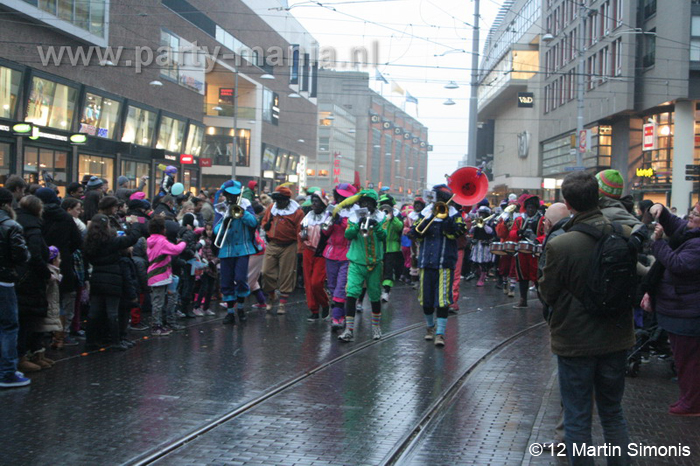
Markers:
point(584, 281)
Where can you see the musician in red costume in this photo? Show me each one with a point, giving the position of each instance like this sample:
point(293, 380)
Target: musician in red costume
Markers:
point(528, 227)
point(505, 262)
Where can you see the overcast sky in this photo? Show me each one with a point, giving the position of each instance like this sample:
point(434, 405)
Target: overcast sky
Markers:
point(410, 33)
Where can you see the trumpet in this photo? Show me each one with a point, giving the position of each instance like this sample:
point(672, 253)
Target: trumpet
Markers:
point(363, 215)
point(480, 221)
point(328, 223)
point(227, 210)
point(440, 210)
point(388, 211)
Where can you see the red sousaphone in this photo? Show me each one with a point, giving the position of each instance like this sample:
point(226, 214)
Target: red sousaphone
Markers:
point(469, 185)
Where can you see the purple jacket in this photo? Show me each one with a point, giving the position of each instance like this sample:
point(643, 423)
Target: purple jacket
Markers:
point(678, 293)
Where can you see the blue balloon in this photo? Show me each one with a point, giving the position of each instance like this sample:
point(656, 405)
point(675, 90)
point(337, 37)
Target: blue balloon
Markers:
point(177, 189)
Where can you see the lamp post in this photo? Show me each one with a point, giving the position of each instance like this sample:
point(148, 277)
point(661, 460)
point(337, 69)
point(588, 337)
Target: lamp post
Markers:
point(234, 157)
point(473, 98)
point(579, 84)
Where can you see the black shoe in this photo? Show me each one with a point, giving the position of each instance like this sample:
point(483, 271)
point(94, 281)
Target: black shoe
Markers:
point(314, 317)
point(190, 315)
point(230, 319)
point(241, 315)
point(325, 313)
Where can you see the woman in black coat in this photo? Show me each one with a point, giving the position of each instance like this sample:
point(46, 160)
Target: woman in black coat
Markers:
point(102, 250)
point(33, 279)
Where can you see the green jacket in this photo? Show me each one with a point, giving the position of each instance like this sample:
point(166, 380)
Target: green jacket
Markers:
point(394, 229)
point(574, 332)
point(366, 251)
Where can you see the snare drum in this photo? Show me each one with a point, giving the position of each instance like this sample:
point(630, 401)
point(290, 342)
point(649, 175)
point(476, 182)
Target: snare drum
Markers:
point(497, 249)
point(538, 249)
point(525, 247)
point(510, 247)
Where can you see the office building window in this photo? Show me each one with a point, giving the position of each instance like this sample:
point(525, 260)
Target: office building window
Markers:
point(170, 60)
point(9, 91)
point(218, 145)
point(51, 104)
point(100, 116)
point(139, 127)
point(85, 14)
point(617, 12)
point(649, 8)
point(649, 58)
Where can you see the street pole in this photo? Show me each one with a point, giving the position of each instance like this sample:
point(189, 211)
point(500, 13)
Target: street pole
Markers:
point(234, 157)
point(473, 99)
point(580, 90)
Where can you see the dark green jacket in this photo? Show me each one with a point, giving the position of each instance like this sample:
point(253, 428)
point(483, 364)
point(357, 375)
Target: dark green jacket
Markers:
point(575, 332)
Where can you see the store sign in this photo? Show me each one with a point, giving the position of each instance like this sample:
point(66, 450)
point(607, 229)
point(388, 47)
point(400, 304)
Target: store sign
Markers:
point(646, 172)
point(583, 140)
point(170, 157)
point(205, 163)
point(4, 128)
point(526, 99)
point(336, 168)
point(649, 136)
point(186, 159)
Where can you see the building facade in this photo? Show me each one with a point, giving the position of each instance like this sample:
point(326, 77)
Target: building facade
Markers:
point(391, 147)
point(639, 107)
point(151, 85)
point(509, 100)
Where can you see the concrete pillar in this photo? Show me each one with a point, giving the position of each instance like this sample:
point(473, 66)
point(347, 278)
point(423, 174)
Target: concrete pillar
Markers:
point(683, 147)
point(621, 149)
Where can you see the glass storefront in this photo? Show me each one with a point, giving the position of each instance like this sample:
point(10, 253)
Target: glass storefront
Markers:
point(218, 145)
point(189, 179)
point(268, 158)
point(140, 126)
point(40, 162)
point(134, 171)
point(559, 154)
point(170, 134)
point(93, 165)
point(9, 90)
point(4, 162)
point(51, 104)
point(100, 116)
point(194, 140)
point(660, 161)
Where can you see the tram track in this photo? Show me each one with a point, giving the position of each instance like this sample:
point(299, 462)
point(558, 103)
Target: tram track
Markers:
point(172, 446)
point(406, 445)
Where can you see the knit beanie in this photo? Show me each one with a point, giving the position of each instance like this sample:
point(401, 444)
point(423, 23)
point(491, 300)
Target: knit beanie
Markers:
point(47, 196)
point(188, 219)
point(122, 180)
point(94, 182)
point(610, 183)
point(53, 253)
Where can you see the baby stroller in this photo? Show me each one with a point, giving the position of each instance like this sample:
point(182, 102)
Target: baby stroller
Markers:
point(650, 339)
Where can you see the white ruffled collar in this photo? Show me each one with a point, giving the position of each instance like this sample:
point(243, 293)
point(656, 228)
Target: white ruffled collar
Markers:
point(378, 215)
point(313, 219)
point(289, 210)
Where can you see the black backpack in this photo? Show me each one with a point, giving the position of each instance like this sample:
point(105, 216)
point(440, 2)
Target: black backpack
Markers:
point(612, 275)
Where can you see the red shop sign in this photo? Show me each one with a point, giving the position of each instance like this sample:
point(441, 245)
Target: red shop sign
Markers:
point(186, 159)
point(205, 162)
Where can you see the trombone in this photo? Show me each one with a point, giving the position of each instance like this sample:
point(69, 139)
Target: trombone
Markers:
point(480, 221)
point(440, 210)
point(227, 209)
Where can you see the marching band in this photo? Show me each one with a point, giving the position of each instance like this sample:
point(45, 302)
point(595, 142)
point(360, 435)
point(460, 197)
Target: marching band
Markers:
point(357, 241)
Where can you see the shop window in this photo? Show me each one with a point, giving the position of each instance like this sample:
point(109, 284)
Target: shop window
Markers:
point(139, 127)
point(9, 91)
point(134, 171)
point(4, 162)
point(100, 116)
point(170, 134)
point(51, 104)
point(269, 157)
point(218, 145)
point(194, 140)
point(189, 180)
point(101, 167)
point(281, 164)
point(40, 162)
